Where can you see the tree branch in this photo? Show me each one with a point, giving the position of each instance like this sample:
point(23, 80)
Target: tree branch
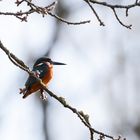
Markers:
point(127, 26)
point(47, 10)
point(113, 7)
point(93, 10)
point(80, 114)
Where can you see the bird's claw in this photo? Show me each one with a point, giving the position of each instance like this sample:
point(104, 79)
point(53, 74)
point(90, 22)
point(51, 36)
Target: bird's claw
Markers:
point(43, 95)
point(22, 91)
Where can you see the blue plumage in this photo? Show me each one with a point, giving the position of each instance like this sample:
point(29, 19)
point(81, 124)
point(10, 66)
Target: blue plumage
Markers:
point(40, 70)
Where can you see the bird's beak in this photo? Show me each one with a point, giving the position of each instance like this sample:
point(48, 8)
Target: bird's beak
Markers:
point(58, 63)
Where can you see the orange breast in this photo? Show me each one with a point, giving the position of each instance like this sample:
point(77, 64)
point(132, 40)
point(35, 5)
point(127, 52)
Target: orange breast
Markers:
point(46, 79)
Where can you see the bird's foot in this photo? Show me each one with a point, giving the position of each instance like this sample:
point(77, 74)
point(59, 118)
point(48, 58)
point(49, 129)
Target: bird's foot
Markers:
point(22, 91)
point(43, 95)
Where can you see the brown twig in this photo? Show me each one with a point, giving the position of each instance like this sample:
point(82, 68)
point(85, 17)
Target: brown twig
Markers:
point(127, 26)
point(95, 13)
point(47, 10)
point(116, 6)
point(68, 22)
point(83, 117)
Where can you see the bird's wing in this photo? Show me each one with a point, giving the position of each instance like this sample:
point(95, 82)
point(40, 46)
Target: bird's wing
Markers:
point(40, 71)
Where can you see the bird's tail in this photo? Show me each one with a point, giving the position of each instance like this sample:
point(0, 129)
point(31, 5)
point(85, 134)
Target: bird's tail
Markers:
point(26, 94)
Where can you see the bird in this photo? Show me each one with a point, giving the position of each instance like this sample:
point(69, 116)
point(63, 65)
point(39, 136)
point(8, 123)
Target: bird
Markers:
point(43, 69)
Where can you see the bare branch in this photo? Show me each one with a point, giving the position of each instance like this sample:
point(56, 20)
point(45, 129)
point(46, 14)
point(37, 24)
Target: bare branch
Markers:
point(98, 18)
point(135, 4)
point(80, 114)
point(127, 26)
point(47, 10)
point(68, 22)
point(113, 7)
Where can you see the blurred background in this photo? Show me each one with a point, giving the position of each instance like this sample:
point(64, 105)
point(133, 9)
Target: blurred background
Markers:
point(102, 74)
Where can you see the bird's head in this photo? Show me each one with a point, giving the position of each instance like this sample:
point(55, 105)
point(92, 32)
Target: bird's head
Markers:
point(47, 61)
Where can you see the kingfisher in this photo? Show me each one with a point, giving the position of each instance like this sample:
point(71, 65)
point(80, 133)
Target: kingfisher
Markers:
point(43, 69)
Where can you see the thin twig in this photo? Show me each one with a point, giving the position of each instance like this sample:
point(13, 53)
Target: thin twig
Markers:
point(93, 10)
point(113, 7)
point(127, 26)
point(47, 10)
point(68, 22)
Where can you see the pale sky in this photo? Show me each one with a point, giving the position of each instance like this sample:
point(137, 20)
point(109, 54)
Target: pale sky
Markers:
point(100, 77)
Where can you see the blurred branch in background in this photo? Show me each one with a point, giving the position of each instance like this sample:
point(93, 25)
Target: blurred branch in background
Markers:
point(80, 114)
point(62, 12)
point(47, 10)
